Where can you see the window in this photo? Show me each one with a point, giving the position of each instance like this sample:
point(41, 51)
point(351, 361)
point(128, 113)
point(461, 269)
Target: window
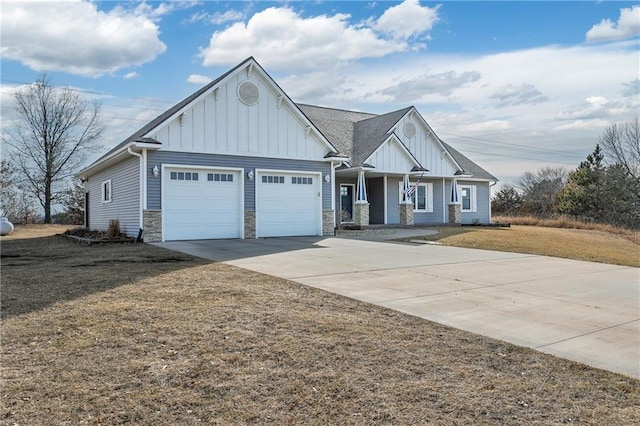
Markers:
point(272, 179)
point(296, 180)
point(219, 177)
point(468, 198)
point(106, 191)
point(184, 176)
point(422, 196)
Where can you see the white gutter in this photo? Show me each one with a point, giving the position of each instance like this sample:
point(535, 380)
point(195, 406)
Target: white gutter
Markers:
point(142, 169)
point(334, 166)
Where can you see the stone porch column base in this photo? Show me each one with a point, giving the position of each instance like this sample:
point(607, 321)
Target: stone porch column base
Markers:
point(406, 214)
point(455, 214)
point(361, 214)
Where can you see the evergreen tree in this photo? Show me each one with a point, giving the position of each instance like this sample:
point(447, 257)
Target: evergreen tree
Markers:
point(582, 196)
point(507, 201)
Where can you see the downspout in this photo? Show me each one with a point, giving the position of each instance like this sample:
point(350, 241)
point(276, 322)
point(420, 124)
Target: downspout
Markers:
point(142, 169)
point(334, 166)
point(444, 201)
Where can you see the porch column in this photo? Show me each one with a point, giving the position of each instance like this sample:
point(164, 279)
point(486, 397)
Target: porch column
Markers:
point(406, 205)
point(455, 214)
point(361, 208)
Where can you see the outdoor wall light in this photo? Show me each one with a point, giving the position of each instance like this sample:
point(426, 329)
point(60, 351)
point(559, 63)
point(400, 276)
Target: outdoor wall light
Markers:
point(156, 171)
point(250, 174)
point(327, 178)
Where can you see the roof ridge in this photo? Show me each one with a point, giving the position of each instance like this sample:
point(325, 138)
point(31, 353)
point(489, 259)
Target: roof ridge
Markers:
point(339, 109)
point(385, 114)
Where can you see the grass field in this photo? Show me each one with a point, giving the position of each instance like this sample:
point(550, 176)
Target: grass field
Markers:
point(118, 334)
point(580, 244)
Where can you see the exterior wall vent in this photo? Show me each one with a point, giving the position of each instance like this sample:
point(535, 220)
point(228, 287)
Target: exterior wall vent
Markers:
point(248, 92)
point(410, 130)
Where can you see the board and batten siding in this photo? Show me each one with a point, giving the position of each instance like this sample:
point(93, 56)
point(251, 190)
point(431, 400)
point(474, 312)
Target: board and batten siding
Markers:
point(220, 124)
point(125, 197)
point(390, 158)
point(247, 163)
point(426, 150)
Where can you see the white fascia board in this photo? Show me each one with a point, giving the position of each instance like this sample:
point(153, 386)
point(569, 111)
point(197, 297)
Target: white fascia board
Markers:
point(114, 157)
point(394, 138)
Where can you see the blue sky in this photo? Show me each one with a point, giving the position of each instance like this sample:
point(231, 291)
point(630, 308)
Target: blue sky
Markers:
point(514, 85)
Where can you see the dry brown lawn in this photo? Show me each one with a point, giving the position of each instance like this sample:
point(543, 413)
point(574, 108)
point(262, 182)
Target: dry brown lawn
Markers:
point(580, 244)
point(134, 334)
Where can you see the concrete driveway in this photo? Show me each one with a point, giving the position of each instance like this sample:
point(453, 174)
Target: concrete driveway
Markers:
point(583, 311)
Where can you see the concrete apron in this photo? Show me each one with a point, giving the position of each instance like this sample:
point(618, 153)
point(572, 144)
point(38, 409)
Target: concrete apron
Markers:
point(582, 311)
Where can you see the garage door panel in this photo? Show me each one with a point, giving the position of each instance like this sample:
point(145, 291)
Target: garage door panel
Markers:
point(202, 208)
point(288, 204)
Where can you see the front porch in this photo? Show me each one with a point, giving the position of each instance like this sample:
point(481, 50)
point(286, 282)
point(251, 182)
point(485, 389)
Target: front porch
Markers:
point(369, 199)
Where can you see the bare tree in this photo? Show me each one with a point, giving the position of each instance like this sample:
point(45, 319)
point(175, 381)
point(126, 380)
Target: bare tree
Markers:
point(621, 145)
point(540, 190)
point(51, 137)
point(15, 203)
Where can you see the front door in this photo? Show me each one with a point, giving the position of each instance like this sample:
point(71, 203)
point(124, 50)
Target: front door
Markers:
point(346, 203)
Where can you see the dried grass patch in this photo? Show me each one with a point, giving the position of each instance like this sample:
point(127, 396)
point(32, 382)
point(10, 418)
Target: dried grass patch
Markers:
point(37, 230)
point(149, 341)
point(579, 244)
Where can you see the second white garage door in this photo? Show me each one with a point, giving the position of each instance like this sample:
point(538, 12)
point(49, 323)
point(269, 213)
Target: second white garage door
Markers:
point(288, 204)
point(201, 203)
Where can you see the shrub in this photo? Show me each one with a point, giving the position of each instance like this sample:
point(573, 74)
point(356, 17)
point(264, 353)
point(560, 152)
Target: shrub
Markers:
point(113, 230)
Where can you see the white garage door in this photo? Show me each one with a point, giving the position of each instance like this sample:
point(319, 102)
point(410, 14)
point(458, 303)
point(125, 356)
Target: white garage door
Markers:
point(201, 204)
point(288, 204)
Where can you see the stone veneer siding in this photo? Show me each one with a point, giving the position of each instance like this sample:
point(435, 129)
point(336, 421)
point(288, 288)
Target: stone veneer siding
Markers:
point(152, 226)
point(328, 228)
point(249, 223)
point(406, 214)
point(455, 214)
point(361, 214)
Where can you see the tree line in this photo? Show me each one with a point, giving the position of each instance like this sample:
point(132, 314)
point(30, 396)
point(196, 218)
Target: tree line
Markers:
point(604, 188)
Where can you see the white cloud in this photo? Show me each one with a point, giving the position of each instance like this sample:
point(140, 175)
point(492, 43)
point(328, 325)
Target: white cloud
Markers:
point(631, 88)
point(428, 85)
point(282, 39)
point(76, 37)
point(163, 9)
point(592, 107)
point(628, 25)
point(198, 79)
point(130, 75)
point(216, 18)
point(518, 95)
point(407, 19)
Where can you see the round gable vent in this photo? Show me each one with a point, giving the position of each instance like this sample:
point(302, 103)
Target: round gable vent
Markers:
point(248, 92)
point(410, 130)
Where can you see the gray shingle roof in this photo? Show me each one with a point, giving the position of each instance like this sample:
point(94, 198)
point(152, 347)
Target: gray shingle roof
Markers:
point(467, 165)
point(335, 124)
point(358, 134)
point(370, 133)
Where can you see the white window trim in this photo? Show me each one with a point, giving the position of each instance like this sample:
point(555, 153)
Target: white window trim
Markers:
point(429, 196)
point(474, 199)
point(107, 184)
